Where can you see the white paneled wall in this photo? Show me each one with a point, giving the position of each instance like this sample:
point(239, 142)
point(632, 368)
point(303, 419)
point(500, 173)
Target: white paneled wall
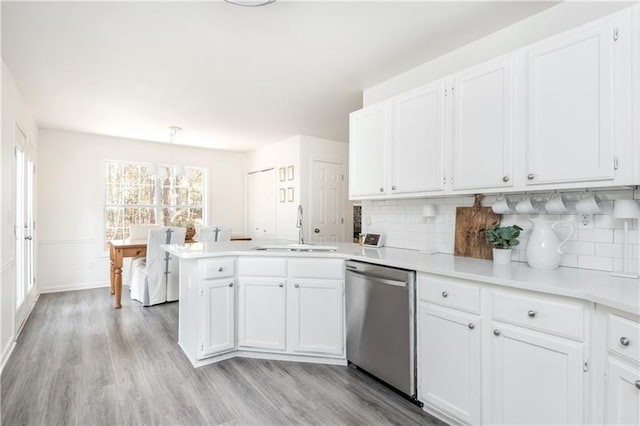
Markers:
point(599, 248)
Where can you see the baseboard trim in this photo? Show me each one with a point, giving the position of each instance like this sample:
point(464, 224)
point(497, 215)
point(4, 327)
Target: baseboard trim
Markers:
point(73, 287)
point(26, 317)
point(6, 353)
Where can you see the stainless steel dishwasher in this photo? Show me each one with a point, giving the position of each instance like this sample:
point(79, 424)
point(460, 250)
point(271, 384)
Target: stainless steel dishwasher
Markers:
point(381, 323)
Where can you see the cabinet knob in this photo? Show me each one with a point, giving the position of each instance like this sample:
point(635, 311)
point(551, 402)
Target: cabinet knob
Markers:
point(497, 332)
point(624, 341)
point(280, 285)
point(530, 176)
point(381, 189)
point(220, 269)
point(471, 326)
point(230, 284)
point(296, 285)
point(505, 178)
point(637, 383)
point(445, 294)
point(393, 188)
point(532, 314)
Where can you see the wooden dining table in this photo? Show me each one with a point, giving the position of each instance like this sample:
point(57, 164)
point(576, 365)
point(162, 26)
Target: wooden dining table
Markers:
point(119, 249)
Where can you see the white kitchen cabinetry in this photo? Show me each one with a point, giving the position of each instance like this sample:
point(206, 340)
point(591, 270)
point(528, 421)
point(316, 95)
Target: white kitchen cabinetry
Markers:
point(572, 104)
point(316, 312)
point(536, 378)
point(262, 313)
point(217, 311)
point(368, 141)
point(449, 353)
point(315, 306)
point(397, 147)
point(538, 356)
point(449, 347)
point(483, 126)
point(622, 398)
point(417, 141)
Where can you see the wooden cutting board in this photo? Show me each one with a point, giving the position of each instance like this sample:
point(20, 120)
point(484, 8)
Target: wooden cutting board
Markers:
point(470, 221)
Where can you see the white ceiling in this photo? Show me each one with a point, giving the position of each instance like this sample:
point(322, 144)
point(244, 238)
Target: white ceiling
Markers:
point(233, 77)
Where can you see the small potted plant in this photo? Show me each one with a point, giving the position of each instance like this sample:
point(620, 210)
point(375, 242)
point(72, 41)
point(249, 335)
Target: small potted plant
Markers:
point(503, 239)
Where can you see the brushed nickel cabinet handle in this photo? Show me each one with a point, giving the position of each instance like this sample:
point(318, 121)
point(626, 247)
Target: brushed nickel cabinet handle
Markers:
point(505, 178)
point(497, 332)
point(532, 313)
point(296, 285)
point(637, 383)
point(624, 341)
point(230, 284)
point(381, 189)
point(445, 294)
point(280, 285)
point(471, 326)
point(530, 176)
point(393, 188)
point(220, 269)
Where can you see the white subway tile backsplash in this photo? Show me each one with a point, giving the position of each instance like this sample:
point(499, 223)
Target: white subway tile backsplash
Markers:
point(599, 248)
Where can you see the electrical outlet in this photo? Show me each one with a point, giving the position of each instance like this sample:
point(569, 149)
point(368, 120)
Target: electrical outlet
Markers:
point(585, 221)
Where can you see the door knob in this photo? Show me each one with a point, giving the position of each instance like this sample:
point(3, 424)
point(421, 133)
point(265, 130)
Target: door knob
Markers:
point(317, 230)
point(29, 237)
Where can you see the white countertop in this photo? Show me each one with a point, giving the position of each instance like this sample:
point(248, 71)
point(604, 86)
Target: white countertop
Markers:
point(594, 286)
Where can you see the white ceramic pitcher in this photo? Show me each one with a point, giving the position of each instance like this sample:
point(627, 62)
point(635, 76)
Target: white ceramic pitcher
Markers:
point(544, 249)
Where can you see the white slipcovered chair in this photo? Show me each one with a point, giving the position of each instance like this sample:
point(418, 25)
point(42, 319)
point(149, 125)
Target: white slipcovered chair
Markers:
point(140, 231)
point(155, 277)
point(213, 234)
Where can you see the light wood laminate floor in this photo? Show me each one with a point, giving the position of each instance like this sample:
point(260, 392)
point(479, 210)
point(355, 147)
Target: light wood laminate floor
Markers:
point(78, 361)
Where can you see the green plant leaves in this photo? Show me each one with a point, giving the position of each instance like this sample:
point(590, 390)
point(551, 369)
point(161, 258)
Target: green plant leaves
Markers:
point(503, 237)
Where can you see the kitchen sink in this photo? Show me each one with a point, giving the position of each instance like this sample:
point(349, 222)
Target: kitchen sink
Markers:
point(295, 247)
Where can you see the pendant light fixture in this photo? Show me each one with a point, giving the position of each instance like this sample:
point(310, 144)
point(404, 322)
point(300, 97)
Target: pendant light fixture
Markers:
point(250, 3)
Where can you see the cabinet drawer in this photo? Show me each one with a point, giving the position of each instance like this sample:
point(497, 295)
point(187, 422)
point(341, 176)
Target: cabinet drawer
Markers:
point(262, 267)
point(624, 337)
point(317, 268)
point(559, 317)
point(217, 268)
point(450, 292)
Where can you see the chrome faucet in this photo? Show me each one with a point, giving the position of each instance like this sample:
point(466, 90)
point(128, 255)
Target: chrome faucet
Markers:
point(299, 226)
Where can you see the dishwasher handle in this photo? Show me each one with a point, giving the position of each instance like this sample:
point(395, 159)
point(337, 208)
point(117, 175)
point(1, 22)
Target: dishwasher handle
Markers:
point(378, 279)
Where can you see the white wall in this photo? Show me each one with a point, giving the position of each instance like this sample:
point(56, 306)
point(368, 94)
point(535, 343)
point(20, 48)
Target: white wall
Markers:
point(313, 148)
point(70, 177)
point(537, 27)
point(299, 151)
point(277, 155)
point(15, 112)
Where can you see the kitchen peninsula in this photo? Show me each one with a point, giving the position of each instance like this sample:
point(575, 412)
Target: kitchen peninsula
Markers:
point(498, 320)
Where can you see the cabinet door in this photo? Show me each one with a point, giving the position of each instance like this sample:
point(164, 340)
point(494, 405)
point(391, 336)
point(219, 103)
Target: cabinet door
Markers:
point(316, 316)
point(570, 108)
point(217, 317)
point(449, 363)
point(417, 141)
point(535, 378)
point(623, 393)
point(369, 133)
point(483, 117)
point(261, 313)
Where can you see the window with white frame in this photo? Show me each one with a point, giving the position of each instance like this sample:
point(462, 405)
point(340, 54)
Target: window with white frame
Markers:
point(138, 193)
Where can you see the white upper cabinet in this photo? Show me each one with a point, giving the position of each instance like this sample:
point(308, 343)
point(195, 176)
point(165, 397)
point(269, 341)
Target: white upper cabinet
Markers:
point(369, 133)
point(571, 106)
point(483, 126)
point(417, 141)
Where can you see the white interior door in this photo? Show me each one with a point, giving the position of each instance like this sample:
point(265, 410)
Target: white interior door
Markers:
point(24, 227)
point(261, 204)
point(327, 221)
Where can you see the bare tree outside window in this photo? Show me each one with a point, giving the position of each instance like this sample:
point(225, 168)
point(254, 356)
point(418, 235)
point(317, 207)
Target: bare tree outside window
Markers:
point(134, 196)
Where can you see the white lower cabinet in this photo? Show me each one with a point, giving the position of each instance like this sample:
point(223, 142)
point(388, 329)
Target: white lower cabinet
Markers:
point(622, 393)
point(449, 362)
point(262, 313)
point(217, 317)
point(535, 378)
point(316, 316)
